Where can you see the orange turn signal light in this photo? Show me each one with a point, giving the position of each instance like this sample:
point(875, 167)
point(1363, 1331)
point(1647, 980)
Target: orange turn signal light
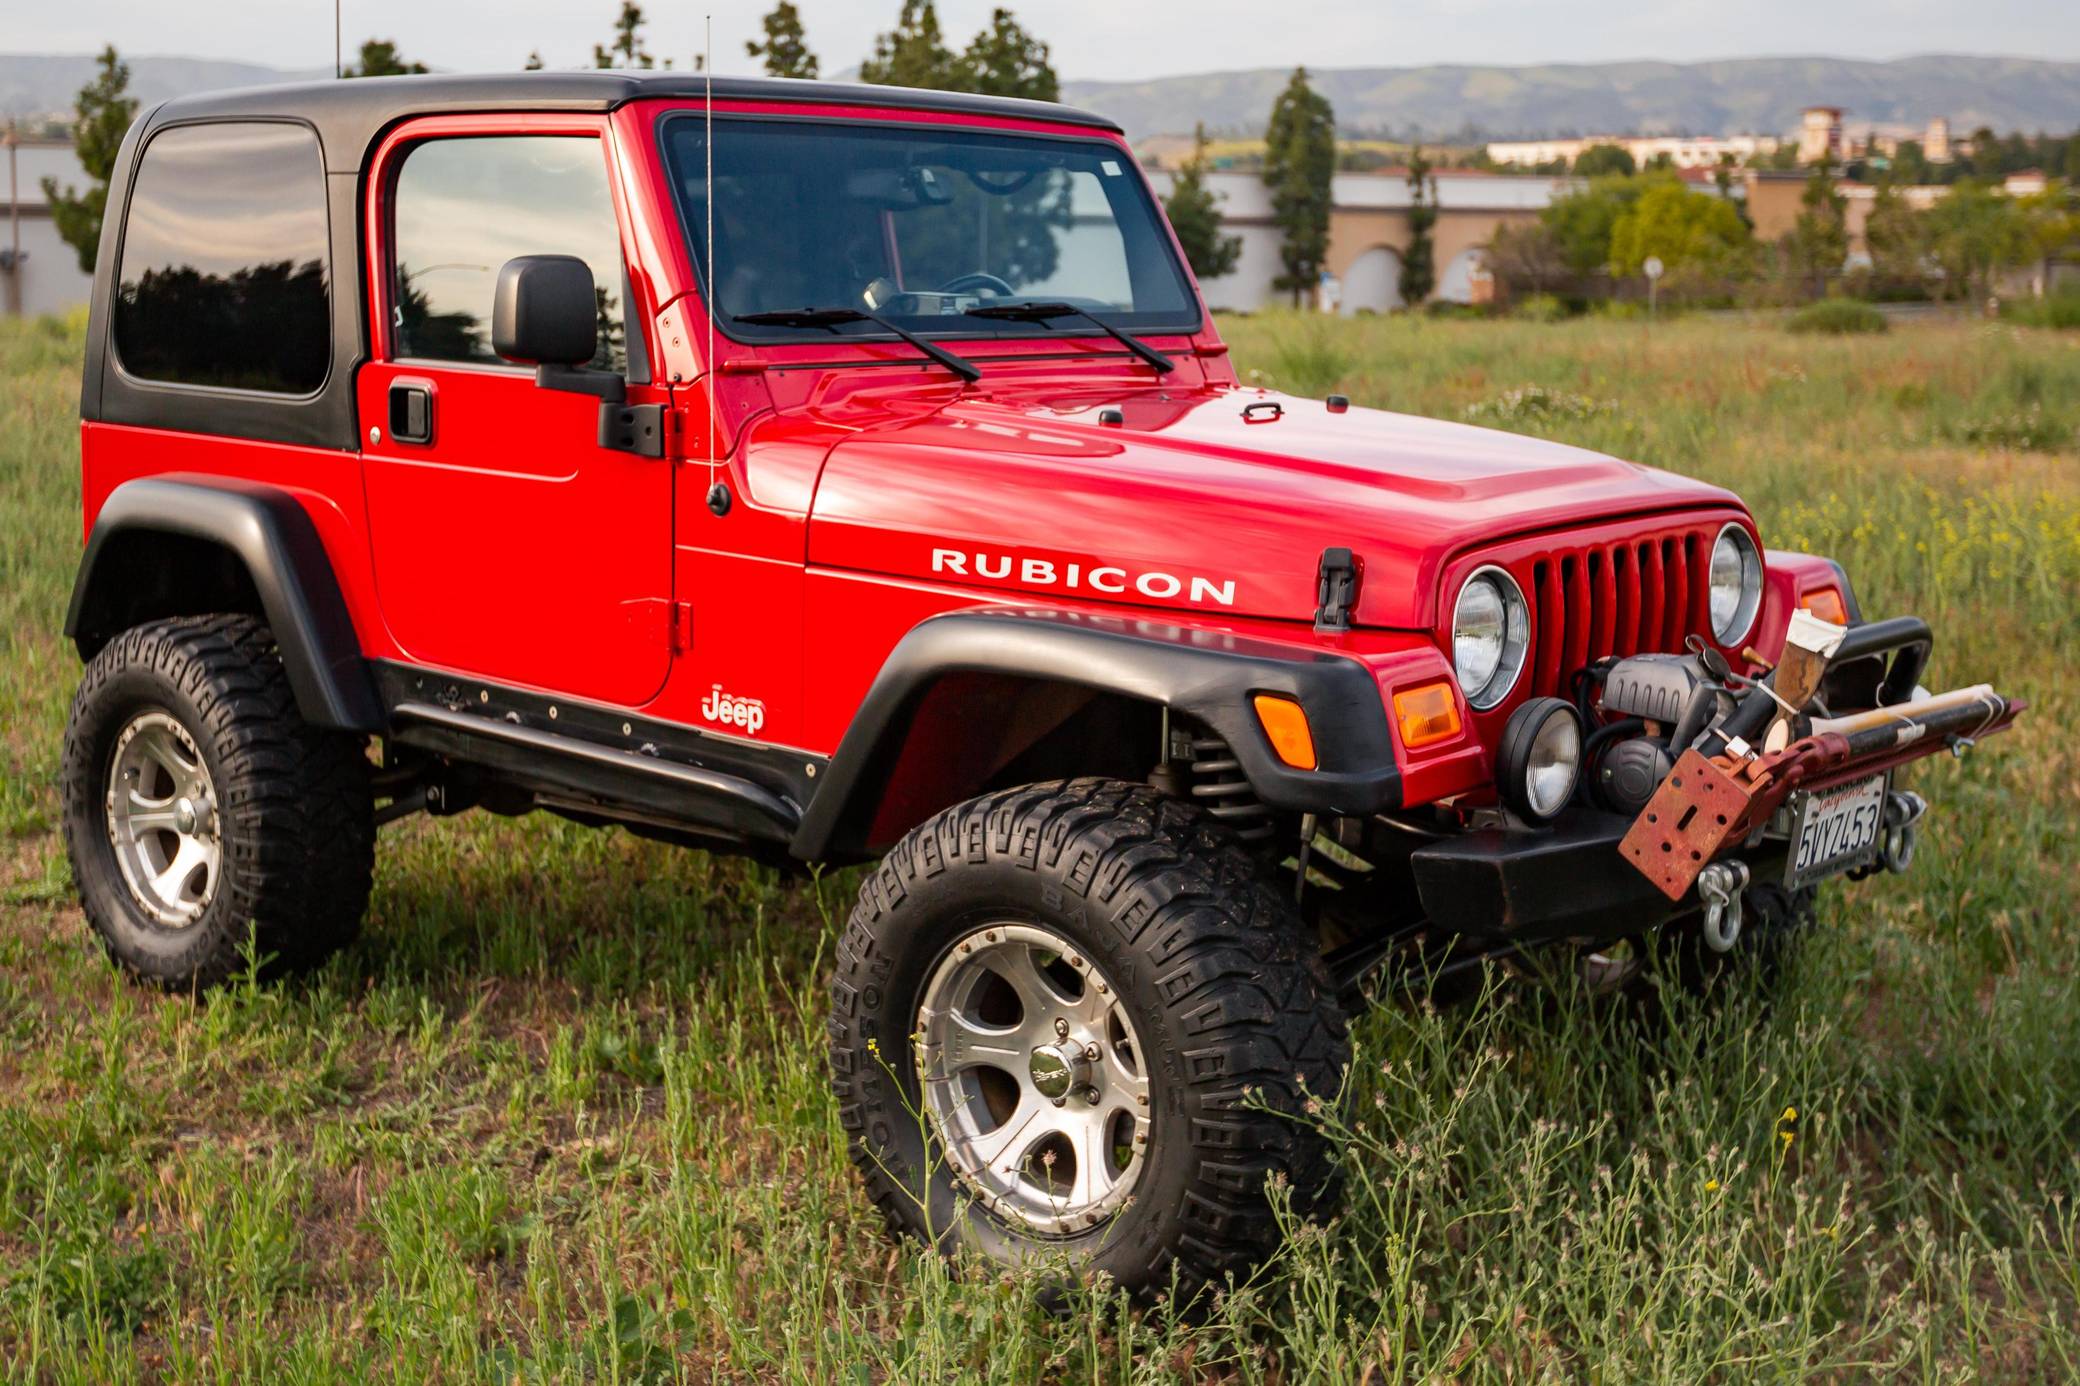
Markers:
point(1827, 604)
point(1285, 723)
point(1426, 714)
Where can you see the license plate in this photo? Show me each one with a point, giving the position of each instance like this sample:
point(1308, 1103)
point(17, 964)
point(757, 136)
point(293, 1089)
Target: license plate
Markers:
point(1834, 830)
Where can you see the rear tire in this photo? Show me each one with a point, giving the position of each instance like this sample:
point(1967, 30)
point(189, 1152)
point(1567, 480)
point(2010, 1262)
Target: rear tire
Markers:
point(1216, 985)
point(200, 807)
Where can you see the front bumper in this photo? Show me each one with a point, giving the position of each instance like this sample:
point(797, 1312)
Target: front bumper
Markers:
point(1565, 881)
point(1597, 875)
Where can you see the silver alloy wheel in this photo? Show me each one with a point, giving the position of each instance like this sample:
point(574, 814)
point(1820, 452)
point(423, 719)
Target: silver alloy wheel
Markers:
point(162, 819)
point(1033, 1078)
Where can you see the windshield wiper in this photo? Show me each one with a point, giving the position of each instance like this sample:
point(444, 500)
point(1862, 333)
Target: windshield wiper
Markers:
point(1042, 312)
point(831, 317)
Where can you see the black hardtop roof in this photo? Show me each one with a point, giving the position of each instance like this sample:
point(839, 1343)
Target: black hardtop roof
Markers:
point(350, 114)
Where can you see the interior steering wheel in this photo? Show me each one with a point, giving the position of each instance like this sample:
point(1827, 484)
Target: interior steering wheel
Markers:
point(978, 280)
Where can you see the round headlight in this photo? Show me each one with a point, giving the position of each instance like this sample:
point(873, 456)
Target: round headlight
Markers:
point(1491, 633)
point(1540, 758)
point(1736, 584)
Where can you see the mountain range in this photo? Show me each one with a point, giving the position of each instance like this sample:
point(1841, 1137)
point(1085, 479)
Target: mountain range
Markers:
point(1751, 95)
point(1761, 95)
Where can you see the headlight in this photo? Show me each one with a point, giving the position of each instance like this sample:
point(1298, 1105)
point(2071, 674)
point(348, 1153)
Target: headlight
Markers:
point(1491, 633)
point(1540, 758)
point(1736, 584)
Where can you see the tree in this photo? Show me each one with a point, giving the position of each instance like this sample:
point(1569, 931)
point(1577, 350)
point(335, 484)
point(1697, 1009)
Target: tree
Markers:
point(1299, 162)
point(914, 53)
point(1898, 239)
point(1526, 258)
point(1695, 235)
point(1419, 261)
point(1005, 60)
point(1581, 221)
point(105, 113)
point(1601, 159)
point(1195, 216)
point(786, 49)
point(380, 58)
point(1819, 240)
point(1909, 162)
point(1974, 233)
point(627, 49)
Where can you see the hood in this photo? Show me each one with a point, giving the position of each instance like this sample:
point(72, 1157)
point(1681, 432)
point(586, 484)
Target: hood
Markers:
point(1209, 499)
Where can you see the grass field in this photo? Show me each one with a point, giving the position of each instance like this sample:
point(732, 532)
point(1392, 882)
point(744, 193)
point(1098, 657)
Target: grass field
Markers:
point(561, 1113)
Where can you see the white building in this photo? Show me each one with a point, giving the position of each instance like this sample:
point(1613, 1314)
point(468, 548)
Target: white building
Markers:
point(1684, 151)
point(39, 273)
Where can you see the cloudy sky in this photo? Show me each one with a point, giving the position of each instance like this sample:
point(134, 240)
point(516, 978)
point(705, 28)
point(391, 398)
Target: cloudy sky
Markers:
point(1113, 39)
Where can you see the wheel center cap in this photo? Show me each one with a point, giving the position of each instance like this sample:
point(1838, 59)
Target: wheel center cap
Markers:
point(1059, 1068)
point(191, 816)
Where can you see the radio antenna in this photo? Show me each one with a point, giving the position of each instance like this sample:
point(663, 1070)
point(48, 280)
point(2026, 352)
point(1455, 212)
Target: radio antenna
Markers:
point(718, 494)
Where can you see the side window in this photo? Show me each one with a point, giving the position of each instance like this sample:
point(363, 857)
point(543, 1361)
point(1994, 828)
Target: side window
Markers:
point(223, 274)
point(462, 207)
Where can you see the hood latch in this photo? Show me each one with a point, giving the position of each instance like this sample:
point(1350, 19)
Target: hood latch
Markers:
point(1336, 591)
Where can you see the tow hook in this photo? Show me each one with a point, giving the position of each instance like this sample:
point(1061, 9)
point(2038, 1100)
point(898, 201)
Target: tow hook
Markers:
point(1903, 810)
point(1719, 886)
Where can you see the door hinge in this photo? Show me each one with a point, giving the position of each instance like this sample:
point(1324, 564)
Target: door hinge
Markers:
point(681, 627)
point(636, 428)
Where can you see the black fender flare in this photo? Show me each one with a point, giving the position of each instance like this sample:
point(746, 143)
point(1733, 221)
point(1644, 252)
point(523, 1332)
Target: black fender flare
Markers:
point(1206, 673)
point(268, 531)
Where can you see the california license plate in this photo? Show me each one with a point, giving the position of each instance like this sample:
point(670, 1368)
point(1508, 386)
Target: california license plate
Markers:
point(1835, 830)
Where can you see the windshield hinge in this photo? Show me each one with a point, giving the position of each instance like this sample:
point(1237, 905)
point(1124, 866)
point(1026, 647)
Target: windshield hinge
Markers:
point(636, 428)
point(1336, 591)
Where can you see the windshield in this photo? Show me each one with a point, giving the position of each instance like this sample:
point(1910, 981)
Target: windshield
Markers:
point(919, 224)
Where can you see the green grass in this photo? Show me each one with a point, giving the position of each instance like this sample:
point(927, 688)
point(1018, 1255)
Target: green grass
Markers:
point(561, 1114)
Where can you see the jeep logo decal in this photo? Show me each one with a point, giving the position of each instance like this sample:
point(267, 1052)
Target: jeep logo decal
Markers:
point(732, 711)
point(1105, 579)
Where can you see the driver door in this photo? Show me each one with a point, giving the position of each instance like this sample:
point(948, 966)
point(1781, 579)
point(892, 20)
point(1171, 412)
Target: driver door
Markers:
point(506, 542)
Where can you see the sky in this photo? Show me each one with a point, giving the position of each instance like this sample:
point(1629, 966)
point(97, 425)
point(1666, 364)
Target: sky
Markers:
point(1119, 40)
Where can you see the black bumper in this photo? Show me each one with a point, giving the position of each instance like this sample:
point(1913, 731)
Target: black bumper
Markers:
point(1567, 881)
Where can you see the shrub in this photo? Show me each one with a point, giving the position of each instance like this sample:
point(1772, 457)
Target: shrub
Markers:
point(2061, 310)
point(1540, 308)
point(1537, 404)
point(1836, 317)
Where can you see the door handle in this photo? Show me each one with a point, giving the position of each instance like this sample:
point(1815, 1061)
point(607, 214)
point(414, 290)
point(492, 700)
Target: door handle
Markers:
point(411, 411)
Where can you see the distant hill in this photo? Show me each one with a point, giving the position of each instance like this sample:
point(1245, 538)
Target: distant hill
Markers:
point(1745, 94)
point(1761, 95)
point(38, 84)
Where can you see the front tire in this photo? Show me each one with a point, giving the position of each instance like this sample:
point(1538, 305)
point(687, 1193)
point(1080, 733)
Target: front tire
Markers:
point(199, 807)
point(1074, 1024)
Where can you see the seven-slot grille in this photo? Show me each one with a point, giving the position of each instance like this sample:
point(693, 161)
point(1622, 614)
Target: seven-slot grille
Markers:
point(1628, 596)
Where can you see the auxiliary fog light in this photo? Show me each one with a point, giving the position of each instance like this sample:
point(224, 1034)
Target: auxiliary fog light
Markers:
point(1540, 758)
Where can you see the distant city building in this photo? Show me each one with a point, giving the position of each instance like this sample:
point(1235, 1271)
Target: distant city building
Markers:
point(1683, 151)
point(1820, 135)
point(1935, 143)
point(1368, 233)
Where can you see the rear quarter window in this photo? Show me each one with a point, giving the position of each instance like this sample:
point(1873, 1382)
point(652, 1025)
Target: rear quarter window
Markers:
point(223, 276)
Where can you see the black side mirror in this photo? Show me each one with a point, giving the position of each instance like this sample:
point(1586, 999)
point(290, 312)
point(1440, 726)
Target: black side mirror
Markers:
point(543, 311)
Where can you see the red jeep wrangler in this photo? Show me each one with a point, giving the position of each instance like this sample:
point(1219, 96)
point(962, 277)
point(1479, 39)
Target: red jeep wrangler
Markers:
point(837, 473)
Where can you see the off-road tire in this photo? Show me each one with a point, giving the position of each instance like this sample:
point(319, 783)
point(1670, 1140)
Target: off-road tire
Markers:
point(1220, 978)
point(294, 810)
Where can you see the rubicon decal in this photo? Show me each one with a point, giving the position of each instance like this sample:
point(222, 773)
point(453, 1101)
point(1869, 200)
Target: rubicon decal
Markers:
point(732, 711)
point(1104, 579)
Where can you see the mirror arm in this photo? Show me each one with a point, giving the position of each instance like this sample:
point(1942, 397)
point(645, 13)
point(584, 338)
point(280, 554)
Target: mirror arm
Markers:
point(608, 386)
